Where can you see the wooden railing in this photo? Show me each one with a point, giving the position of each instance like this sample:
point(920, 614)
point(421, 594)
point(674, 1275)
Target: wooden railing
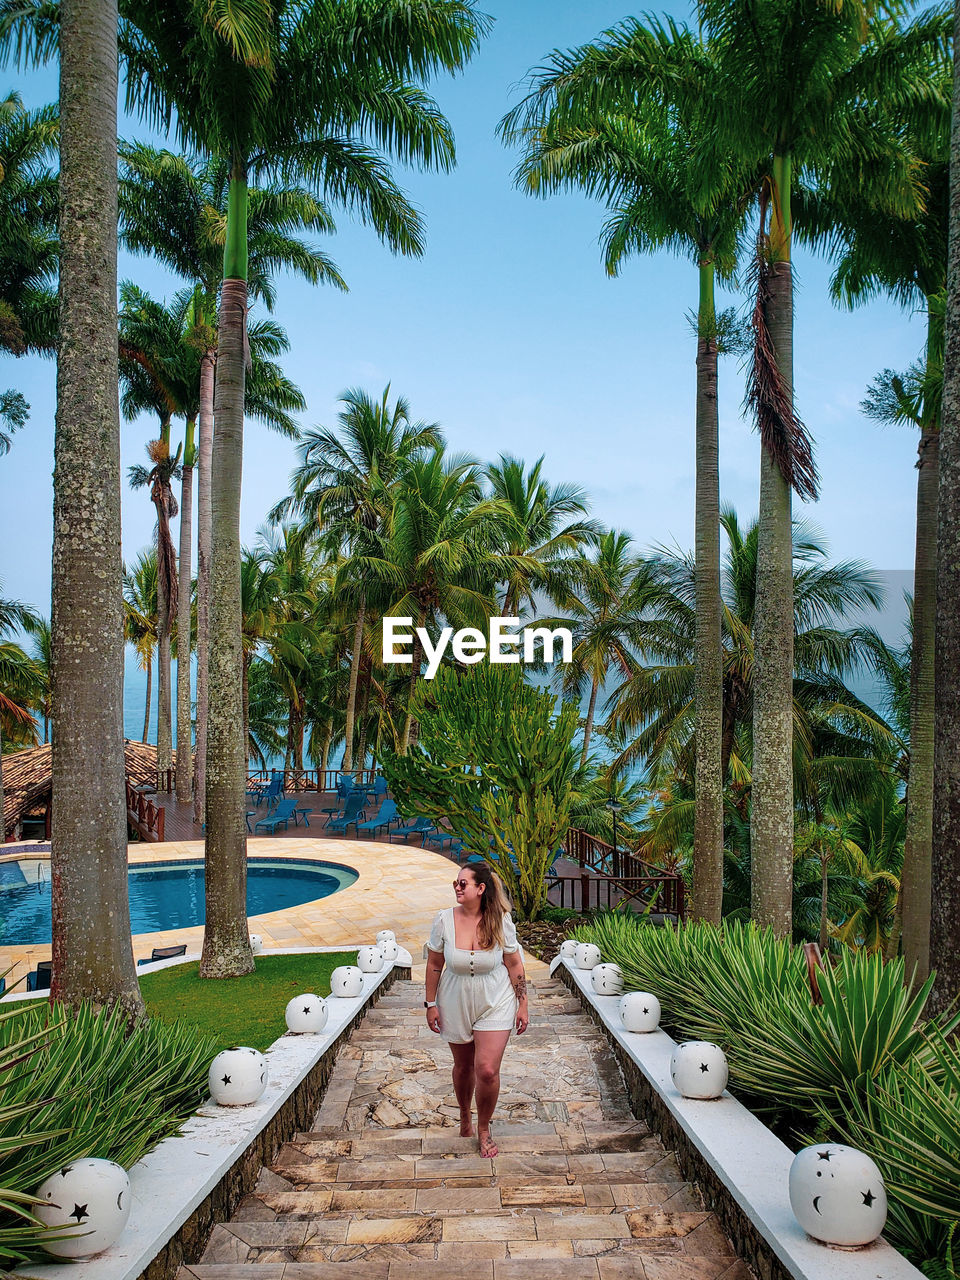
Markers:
point(310, 779)
point(147, 817)
point(626, 877)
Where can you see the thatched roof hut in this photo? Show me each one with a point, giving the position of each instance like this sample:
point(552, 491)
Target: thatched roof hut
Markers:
point(28, 780)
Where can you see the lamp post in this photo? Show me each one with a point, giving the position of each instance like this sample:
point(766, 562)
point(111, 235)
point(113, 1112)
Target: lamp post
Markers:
point(615, 806)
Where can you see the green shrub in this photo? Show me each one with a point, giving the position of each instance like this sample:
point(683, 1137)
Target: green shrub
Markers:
point(81, 1083)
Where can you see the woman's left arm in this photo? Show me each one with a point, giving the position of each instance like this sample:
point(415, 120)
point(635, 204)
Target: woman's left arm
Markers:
point(518, 979)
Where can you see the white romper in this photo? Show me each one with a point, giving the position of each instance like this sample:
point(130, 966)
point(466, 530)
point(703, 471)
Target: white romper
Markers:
point(475, 991)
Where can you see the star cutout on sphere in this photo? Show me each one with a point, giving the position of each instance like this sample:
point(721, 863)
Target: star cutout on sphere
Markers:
point(868, 1198)
point(79, 1212)
point(306, 1008)
point(646, 1011)
point(65, 1170)
point(704, 1067)
point(823, 1155)
point(226, 1080)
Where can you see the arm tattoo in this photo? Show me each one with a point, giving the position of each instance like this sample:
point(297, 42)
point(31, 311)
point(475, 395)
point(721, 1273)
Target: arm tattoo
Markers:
point(520, 986)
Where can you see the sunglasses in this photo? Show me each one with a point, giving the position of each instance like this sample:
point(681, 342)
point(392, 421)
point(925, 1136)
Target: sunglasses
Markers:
point(461, 884)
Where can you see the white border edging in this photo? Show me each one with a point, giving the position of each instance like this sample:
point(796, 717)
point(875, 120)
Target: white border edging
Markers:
point(750, 1161)
point(179, 1173)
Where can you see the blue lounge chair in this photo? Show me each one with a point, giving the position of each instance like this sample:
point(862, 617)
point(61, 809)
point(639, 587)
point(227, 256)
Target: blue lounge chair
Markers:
point(353, 810)
point(385, 815)
point(421, 827)
point(378, 791)
point(440, 839)
point(39, 979)
point(282, 814)
point(164, 953)
point(271, 792)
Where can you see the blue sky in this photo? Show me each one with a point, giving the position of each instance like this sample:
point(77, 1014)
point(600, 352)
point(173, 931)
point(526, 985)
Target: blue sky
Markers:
point(509, 334)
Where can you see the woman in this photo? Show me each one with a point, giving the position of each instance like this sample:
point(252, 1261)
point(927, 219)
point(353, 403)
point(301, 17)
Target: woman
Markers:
point(480, 996)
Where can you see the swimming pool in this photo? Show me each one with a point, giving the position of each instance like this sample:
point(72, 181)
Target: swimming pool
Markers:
point(170, 895)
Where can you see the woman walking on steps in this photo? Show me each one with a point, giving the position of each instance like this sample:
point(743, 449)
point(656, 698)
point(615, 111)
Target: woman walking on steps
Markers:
point(476, 992)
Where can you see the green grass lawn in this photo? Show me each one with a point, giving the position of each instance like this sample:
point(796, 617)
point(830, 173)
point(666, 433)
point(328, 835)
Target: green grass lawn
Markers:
point(246, 1010)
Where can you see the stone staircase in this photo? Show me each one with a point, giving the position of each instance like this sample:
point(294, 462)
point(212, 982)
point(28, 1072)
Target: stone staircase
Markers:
point(383, 1187)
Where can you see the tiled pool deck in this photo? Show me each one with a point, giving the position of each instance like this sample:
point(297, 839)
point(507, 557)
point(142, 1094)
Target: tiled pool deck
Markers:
point(399, 887)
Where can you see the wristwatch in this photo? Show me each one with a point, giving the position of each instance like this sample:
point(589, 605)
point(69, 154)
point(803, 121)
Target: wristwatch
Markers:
point(429, 1004)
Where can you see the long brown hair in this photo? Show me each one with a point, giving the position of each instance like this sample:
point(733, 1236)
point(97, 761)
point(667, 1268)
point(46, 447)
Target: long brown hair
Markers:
point(494, 904)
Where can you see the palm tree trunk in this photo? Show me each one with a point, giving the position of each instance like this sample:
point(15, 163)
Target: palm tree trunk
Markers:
point(708, 804)
point(164, 700)
point(184, 611)
point(824, 891)
point(588, 723)
point(146, 710)
point(246, 713)
point(771, 817)
point(92, 952)
point(417, 658)
point(327, 740)
point(364, 704)
point(352, 694)
point(944, 953)
point(204, 540)
point(916, 884)
point(3, 824)
point(226, 941)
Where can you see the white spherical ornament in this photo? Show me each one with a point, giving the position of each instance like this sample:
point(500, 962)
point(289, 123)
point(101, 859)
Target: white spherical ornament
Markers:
point(607, 979)
point(346, 982)
point(699, 1069)
point(389, 950)
point(837, 1194)
point(306, 1014)
point(586, 956)
point(404, 958)
point(237, 1076)
point(256, 943)
point(640, 1011)
point(92, 1196)
point(568, 948)
point(370, 959)
point(386, 935)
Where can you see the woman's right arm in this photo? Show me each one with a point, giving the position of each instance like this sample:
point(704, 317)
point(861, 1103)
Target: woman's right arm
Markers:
point(434, 969)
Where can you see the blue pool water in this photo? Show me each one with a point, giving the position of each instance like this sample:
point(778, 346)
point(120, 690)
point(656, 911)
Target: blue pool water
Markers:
point(170, 895)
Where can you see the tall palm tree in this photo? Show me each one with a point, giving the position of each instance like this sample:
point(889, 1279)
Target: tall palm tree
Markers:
point(663, 189)
point(343, 483)
point(866, 80)
point(601, 608)
point(174, 208)
point(42, 645)
point(295, 89)
point(92, 953)
point(141, 618)
point(538, 536)
point(944, 956)
point(906, 259)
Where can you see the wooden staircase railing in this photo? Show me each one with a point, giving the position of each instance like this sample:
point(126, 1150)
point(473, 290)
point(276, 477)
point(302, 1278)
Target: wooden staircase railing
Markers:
point(622, 876)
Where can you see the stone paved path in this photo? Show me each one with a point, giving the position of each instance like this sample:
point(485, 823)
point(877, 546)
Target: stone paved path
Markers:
point(384, 1188)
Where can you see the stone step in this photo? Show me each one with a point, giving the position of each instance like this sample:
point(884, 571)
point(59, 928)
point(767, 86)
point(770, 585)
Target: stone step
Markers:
point(543, 1262)
point(485, 1195)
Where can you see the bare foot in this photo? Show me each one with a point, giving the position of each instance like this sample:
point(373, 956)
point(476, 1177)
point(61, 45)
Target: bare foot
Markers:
point(466, 1124)
point(488, 1148)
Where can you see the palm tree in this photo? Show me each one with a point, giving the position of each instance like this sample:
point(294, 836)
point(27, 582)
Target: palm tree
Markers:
point(42, 655)
point(175, 209)
point(656, 702)
point(92, 953)
point(538, 538)
point(663, 189)
point(141, 618)
point(865, 79)
point(944, 957)
point(601, 608)
point(28, 227)
point(434, 559)
point(343, 484)
point(907, 260)
point(256, 98)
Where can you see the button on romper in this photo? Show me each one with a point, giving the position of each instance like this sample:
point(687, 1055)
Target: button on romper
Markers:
point(475, 991)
